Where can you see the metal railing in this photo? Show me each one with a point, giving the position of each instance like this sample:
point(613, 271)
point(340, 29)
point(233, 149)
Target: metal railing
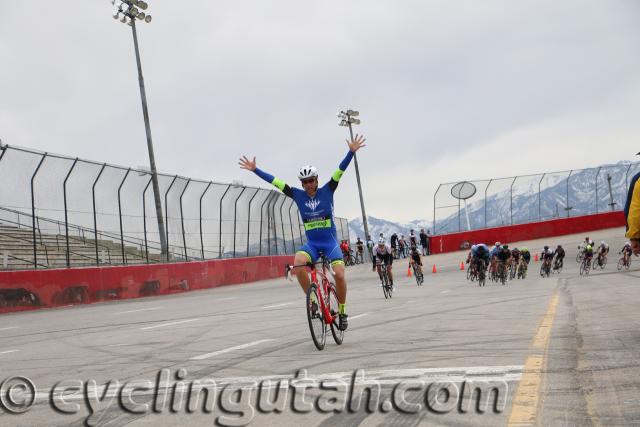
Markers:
point(529, 198)
point(103, 214)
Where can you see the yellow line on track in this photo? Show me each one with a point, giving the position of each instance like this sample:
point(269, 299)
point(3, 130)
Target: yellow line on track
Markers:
point(524, 410)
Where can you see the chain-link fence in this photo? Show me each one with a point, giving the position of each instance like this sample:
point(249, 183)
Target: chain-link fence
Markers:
point(529, 198)
point(57, 211)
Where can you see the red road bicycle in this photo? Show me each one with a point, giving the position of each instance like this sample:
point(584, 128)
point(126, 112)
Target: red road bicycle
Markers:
point(322, 303)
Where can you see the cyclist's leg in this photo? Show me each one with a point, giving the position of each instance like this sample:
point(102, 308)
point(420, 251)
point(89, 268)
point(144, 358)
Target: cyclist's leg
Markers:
point(334, 254)
point(305, 254)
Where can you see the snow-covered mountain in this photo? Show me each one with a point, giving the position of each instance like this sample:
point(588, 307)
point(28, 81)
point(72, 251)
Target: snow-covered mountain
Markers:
point(377, 226)
point(527, 207)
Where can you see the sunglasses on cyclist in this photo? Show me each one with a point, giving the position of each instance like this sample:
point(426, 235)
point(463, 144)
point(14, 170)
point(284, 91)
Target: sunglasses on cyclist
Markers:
point(308, 181)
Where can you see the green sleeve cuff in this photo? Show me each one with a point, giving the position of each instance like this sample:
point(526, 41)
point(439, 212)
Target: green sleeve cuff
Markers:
point(278, 183)
point(337, 175)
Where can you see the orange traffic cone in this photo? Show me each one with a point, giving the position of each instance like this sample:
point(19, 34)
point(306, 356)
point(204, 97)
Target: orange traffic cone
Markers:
point(434, 270)
point(408, 271)
point(462, 266)
point(536, 259)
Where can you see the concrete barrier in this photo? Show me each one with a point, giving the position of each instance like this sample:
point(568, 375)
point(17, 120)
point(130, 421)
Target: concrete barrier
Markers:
point(34, 289)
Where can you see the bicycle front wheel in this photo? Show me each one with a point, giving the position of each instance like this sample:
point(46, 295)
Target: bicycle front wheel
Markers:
point(317, 327)
point(338, 335)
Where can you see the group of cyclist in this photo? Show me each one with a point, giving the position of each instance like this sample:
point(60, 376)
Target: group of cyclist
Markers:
point(588, 250)
point(384, 254)
point(499, 259)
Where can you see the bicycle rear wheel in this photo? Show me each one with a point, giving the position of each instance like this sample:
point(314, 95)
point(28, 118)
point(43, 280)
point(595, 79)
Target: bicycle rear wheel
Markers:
point(317, 327)
point(338, 335)
point(385, 284)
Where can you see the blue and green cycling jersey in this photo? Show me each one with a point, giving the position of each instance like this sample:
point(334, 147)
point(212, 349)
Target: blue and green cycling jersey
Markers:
point(316, 212)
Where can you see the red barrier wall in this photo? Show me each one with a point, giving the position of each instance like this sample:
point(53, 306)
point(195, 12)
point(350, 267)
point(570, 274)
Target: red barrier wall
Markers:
point(32, 289)
point(534, 230)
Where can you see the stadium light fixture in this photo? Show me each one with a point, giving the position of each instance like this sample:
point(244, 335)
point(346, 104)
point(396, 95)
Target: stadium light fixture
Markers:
point(131, 11)
point(347, 119)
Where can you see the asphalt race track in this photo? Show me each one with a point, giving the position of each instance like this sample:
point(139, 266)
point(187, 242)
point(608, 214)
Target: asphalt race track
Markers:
point(555, 351)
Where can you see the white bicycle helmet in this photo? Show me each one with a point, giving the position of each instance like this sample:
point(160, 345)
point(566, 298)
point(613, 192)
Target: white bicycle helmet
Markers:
point(307, 172)
point(381, 241)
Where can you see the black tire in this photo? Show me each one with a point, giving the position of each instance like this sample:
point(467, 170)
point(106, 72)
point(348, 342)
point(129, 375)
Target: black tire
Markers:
point(579, 258)
point(385, 284)
point(338, 335)
point(620, 263)
point(317, 327)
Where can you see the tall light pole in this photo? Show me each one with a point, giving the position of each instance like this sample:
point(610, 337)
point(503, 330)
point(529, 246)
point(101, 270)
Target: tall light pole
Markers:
point(130, 11)
point(348, 118)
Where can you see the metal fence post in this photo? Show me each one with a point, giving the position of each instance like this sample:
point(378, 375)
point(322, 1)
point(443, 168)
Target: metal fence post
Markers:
point(284, 236)
point(235, 216)
point(95, 216)
point(124, 258)
point(66, 218)
point(201, 239)
point(249, 218)
point(268, 198)
point(568, 207)
point(184, 239)
point(33, 212)
point(434, 208)
point(597, 174)
point(486, 202)
point(166, 214)
point(220, 222)
point(275, 225)
point(301, 229)
point(293, 239)
point(511, 203)
point(540, 198)
point(144, 220)
point(270, 215)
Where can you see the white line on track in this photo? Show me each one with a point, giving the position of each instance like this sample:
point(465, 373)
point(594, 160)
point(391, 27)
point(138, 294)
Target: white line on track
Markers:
point(9, 327)
point(135, 311)
point(168, 324)
point(227, 350)
point(444, 292)
point(278, 305)
point(8, 351)
point(359, 316)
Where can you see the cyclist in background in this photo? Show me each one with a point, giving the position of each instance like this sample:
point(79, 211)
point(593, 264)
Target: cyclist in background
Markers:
point(360, 250)
point(370, 246)
point(413, 240)
point(494, 255)
point(504, 258)
point(526, 255)
point(546, 256)
point(402, 245)
point(559, 255)
point(626, 252)
point(480, 252)
point(414, 258)
point(394, 244)
point(588, 254)
point(603, 251)
point(382, 253)
point(315, 205)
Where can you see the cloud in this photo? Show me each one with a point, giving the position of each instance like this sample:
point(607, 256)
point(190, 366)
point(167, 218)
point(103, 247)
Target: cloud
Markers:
point(447, 90)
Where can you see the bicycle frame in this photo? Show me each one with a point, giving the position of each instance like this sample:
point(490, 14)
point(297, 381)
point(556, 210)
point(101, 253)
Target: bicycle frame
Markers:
point(322, 285)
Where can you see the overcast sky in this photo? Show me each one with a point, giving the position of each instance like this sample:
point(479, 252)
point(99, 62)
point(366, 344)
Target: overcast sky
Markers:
point(447, 90)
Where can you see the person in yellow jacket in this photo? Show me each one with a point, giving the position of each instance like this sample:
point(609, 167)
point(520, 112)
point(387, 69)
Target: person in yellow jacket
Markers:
point(632, 214)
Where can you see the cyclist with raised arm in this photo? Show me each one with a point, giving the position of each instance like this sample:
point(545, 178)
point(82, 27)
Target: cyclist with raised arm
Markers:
point(382, 254)
point(316, 210)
